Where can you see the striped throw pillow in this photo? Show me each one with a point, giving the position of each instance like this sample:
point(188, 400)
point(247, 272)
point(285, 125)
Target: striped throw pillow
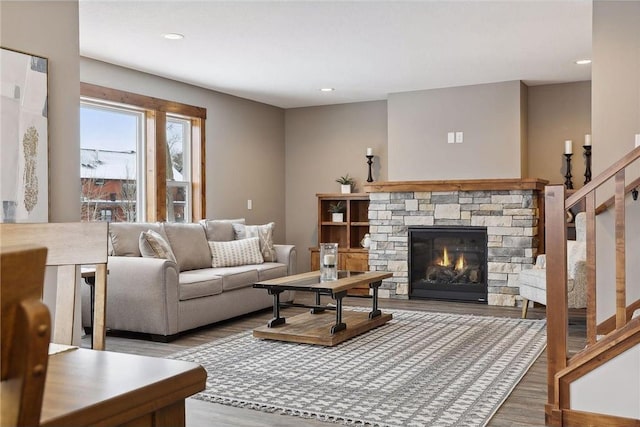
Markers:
point(235, 252)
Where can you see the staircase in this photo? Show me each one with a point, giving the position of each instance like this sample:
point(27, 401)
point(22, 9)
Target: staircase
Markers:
point(610, 338)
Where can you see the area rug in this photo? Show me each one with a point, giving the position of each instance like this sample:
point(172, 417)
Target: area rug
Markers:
point(420, 369)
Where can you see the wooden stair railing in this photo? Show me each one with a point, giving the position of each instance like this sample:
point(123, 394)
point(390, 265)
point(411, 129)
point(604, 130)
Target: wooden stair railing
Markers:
point(559, 367)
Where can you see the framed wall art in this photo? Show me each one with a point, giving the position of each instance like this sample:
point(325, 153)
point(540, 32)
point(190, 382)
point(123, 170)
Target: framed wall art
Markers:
point(24, 175)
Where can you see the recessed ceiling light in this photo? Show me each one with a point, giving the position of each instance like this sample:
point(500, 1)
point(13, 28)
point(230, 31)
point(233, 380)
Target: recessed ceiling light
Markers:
point(173, 36)
point(327, 89)
point(583, 61)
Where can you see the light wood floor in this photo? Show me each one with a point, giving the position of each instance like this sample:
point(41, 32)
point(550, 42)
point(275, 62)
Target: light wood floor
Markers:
point(524, 407)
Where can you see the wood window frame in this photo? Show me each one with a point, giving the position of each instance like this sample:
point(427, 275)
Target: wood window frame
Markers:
point(156, 110)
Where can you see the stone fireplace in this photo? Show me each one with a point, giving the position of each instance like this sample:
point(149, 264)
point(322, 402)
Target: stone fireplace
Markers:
point(448, 263)
point(510, 210)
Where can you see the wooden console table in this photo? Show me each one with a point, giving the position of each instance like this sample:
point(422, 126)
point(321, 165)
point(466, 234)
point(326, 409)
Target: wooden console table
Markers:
point(100, 388)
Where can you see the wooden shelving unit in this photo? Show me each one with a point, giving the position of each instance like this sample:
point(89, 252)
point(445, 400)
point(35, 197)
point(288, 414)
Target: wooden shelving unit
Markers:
point(348, 234)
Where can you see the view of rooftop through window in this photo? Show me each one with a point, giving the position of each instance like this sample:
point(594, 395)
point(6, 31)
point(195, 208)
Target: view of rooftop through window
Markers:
point(178, 174)
point(110, 168)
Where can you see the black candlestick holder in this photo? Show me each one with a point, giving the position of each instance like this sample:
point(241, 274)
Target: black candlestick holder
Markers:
point(369, 162)
point(587, 157)
point(567, 177)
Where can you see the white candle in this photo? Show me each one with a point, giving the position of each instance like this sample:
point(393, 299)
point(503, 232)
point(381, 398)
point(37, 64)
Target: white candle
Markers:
point(587, 140)
point(568, 147)
point(329, 260)
point(637, 139)
point(369, 151)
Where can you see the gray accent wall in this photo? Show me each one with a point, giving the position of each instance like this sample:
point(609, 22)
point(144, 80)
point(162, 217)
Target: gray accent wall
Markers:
point(488, 114)
point(556, 113)
point(245, 150)
point(324, 143)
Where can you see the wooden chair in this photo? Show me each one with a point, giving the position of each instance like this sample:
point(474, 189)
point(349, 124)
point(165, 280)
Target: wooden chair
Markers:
point(25, 334)
point(69, 245)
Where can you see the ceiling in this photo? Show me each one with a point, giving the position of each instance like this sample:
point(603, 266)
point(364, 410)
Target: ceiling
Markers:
point(282, 52)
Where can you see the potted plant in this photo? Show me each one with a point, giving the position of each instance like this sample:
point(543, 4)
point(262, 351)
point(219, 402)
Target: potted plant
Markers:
point(337, 211)
point(347, 183)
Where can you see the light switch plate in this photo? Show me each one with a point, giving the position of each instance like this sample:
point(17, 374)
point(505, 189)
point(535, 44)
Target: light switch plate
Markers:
point(459, 137)
point(451, 137)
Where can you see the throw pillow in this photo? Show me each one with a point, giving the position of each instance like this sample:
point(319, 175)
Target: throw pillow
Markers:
point(264, 233)
point(220, 230)
point(153, 245)
point(235, 252)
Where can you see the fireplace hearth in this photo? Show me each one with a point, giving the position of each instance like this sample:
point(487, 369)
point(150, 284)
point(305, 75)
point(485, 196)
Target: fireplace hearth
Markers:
point(448, 263)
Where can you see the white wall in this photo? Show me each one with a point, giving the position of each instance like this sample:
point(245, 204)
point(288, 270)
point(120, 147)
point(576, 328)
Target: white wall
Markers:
point(488, 114)
point(613, 388)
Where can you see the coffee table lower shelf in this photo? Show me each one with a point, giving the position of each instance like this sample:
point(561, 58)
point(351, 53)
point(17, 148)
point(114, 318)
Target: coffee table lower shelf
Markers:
point(308, 328)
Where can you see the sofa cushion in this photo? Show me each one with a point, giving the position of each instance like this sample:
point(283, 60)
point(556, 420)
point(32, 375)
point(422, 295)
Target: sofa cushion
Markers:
point(189, 245)
point(199, 283)
point(237, 277)
point(125, 236)
point(220, 230)
point(153, 245)
point(264, 233)
point(236, 252)
point(271, 270)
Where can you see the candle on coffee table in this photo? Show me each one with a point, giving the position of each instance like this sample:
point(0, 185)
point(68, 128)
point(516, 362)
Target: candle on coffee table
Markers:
point(329, 260)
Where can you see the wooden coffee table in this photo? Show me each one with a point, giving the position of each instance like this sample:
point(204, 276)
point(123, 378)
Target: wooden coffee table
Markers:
point(319, 325)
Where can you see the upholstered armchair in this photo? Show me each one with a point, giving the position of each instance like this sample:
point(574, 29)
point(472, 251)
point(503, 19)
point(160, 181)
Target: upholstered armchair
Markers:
point(533, 282)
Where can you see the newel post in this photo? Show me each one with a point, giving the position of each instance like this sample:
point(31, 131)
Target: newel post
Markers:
point(557, 311)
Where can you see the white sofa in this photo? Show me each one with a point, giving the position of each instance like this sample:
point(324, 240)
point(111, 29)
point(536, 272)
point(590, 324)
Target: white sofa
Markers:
point(533, 282)
point(164, 298)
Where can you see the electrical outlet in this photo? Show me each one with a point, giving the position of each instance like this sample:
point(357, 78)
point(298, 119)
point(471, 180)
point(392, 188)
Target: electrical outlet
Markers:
point(459, 137)
point(450, 138)
point(249, 204)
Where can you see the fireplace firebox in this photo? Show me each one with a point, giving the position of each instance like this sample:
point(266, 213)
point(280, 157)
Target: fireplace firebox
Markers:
point(448, 263)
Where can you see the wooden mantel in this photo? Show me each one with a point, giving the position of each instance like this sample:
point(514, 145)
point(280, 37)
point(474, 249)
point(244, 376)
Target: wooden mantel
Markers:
point(457, 185)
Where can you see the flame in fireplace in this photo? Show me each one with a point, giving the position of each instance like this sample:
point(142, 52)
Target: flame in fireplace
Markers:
point(445, 261)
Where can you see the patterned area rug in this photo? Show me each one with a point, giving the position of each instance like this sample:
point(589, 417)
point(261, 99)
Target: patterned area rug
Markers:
point(420, 369)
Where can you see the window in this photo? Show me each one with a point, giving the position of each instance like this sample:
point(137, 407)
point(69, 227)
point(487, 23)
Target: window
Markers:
point(178, 169)
point(105, 215)
point(141, 157)
point(110, 139)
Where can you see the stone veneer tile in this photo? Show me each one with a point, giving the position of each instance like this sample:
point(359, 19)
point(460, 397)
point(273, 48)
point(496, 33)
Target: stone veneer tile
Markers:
point(491, 221)
point(411, 205)
point(447, 211)
point(418, 220)
point(506, 199)
point(379, 196)
point(506, 231)
point(420, 195)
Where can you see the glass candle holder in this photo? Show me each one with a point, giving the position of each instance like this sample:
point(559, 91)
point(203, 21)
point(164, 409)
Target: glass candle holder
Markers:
point(328, 261)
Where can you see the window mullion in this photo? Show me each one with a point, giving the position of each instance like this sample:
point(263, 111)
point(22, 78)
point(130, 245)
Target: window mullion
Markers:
point(198, 199)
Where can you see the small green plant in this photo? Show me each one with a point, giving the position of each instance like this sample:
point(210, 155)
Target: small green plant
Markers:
point(346, 180)
point(337, 207)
